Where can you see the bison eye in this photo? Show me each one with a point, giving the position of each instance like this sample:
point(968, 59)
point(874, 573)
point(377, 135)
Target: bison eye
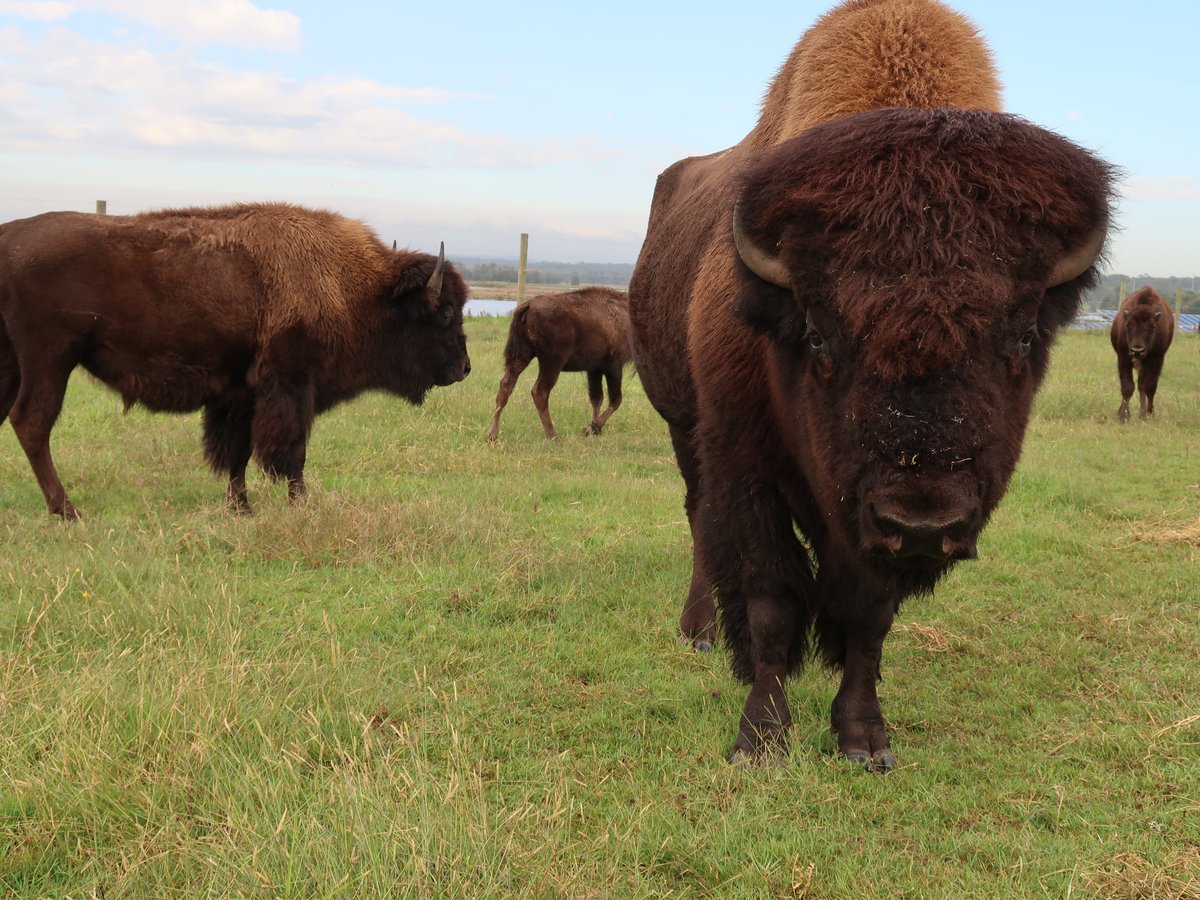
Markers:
point(1028, 338)
point(446, 315)
point(815, 341)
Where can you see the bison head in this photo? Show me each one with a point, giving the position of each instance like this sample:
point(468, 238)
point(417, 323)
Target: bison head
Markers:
point(1141, 322)
point(911, 269)
point(422, 332)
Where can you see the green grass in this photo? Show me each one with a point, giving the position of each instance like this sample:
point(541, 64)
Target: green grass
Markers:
point(455, 672)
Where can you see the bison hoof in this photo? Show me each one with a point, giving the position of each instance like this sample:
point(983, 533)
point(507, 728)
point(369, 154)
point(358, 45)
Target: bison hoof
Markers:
point(67, 512)
point(880, 761)
point(703, 645)
point(591, 429)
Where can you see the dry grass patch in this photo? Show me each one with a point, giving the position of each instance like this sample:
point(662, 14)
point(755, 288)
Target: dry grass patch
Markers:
point(1132, 877)
point(1161, 534)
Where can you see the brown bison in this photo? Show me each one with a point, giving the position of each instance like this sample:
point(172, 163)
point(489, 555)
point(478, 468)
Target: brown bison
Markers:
point(261, 314)
point(575, 331)
point(1141, 334)
point(843, 320)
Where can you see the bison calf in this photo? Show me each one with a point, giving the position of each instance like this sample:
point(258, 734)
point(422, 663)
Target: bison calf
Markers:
point(1141, 334)
point(577, 331)
point(262, 315)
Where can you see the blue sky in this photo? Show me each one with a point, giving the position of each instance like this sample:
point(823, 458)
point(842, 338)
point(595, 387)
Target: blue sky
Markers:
point(471, 122)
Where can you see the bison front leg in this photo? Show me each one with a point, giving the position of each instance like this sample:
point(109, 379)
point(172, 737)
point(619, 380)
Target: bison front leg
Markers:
point(774, 623)
point(1125, 374)
point(596, 395)
point(1148, 386)
point(855, 716)
point(283, 416)
point(227, 443)
point(38, 402)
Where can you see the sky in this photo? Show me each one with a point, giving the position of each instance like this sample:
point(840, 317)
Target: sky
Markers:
point(472, 122)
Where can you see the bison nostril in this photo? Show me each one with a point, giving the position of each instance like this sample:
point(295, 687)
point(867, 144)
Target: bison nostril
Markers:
point(958, 549)
point(915, 538)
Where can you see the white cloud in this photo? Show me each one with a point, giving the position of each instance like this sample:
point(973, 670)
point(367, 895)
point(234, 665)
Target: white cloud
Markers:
point(1179, 187)
point(236, 23)
point(41, 10)
point(67, 94)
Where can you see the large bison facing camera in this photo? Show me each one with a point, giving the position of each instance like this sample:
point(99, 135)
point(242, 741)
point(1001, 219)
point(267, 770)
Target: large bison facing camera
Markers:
point(843, 320)
point(263, 315)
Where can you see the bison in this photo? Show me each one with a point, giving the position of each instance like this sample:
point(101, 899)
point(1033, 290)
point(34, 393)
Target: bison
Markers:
point(262, 315)
point(575, 331)
point(1141, 335)
point(843, 320)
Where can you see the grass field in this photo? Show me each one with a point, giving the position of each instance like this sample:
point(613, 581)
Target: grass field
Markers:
point(455, 672)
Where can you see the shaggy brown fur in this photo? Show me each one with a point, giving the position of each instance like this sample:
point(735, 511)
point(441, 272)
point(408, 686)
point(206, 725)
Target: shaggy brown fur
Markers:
point(261, 314)
point(856, 360)
point(872, 54)
point(575, 331)
point(1141, 334)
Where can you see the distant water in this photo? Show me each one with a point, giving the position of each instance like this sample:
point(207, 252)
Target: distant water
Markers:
point(479, 307)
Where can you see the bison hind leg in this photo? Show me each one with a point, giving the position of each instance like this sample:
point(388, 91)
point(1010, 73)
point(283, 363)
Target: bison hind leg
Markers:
point(10, 374)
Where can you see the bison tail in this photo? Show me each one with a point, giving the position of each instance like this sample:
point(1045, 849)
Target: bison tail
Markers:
point(516, 332)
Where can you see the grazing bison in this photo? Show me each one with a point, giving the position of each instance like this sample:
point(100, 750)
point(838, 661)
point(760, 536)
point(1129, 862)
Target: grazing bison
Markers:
point(576, 331)
point(1141, 334)
point(843, 320)
point(261, 314)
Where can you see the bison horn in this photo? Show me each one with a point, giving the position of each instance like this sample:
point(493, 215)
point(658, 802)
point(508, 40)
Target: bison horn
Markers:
point(1075, 264)
point(435, 280)
point(765, 265)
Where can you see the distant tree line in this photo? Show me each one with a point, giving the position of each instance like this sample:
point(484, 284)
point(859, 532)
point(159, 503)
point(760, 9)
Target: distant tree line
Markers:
point(1107, 294)
point(542, 272)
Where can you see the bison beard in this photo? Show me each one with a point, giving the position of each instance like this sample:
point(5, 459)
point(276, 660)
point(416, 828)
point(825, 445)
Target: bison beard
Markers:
point(262, 315)
point(844, 320)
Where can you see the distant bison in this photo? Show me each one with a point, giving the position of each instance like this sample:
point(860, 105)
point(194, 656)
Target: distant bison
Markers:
point(1141, 335)
point(844, 319)
point(261, 314)
point(576, 331)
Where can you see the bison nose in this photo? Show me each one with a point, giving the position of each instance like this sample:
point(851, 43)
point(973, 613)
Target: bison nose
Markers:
point(467, 367)
point(929, 538)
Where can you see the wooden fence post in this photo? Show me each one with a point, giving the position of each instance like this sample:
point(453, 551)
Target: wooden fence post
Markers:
point(521, 267)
